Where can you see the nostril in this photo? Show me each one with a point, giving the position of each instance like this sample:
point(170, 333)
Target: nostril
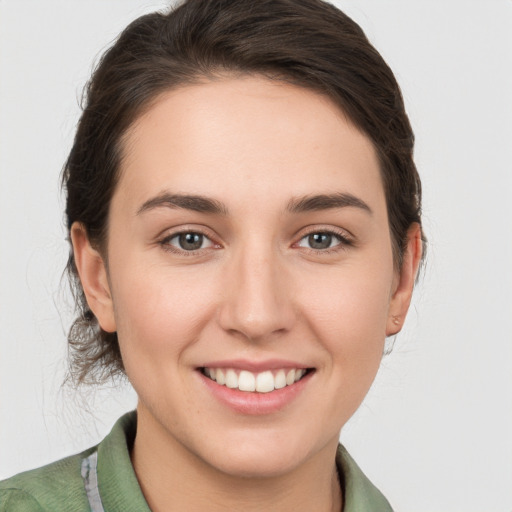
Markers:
point(257, 324)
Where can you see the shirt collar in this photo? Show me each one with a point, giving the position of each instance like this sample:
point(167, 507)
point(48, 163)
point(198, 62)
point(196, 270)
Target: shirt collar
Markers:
point(119, 488)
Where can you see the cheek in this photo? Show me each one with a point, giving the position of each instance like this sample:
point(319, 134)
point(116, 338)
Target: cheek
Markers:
point(159, 311)
point(344, 310)
point(348, 309)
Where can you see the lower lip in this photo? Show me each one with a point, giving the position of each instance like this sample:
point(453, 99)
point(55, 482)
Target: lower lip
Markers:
point(255, 403)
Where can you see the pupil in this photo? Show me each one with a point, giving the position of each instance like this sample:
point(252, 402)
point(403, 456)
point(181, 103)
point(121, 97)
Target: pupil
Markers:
point(191, 241)
point(320, 240)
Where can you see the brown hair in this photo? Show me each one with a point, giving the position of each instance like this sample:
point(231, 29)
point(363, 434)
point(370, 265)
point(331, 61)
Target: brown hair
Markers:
point(309, 43)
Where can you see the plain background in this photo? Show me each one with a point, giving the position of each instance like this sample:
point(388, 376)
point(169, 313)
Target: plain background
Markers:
point(435, 432)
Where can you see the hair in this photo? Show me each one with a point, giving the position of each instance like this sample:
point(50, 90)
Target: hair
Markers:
point(309, 43)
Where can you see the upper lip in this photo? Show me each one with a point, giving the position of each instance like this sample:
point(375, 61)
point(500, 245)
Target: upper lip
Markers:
point(255, 366)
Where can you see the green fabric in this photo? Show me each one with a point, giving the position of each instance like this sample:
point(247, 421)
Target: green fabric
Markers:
point(359, 493)
point(59, 487)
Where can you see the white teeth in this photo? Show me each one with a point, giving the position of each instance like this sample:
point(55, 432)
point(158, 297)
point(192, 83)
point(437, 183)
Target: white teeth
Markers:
point(246, 381)
point(231, 379)
point(263, 382)
point(220, 377)
point(280, 380)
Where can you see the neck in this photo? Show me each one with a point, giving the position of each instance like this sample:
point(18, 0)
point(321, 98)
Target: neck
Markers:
point(172, 478)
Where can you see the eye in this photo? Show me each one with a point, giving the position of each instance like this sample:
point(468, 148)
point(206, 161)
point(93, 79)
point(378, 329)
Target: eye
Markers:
point(322, 240)
point(188, 241)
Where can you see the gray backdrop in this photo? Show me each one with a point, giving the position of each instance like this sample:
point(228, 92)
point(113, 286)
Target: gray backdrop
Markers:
point(435, 432)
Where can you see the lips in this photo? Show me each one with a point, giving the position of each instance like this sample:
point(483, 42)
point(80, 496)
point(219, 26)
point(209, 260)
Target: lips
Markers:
point(251, 387)
point(264, 381)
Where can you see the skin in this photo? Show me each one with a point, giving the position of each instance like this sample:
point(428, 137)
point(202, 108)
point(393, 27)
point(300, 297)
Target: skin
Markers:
point(255, 290)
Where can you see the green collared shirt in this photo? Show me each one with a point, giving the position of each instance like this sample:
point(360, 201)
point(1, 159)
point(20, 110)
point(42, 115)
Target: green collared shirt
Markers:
point(102, 479)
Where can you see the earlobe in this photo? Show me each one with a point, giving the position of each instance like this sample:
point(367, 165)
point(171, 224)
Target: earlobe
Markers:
point(402, 292)
point(93, 276)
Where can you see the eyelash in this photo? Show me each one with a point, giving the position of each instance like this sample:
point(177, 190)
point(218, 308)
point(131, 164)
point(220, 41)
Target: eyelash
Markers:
point(344, 242)
point(166, 246)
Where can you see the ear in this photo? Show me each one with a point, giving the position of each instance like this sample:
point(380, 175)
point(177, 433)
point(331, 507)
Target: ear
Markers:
point(93, 275)
point(404, 282)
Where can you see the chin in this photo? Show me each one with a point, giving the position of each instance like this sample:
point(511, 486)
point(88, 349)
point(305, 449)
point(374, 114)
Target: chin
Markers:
point(245, 464)
point(261, 456)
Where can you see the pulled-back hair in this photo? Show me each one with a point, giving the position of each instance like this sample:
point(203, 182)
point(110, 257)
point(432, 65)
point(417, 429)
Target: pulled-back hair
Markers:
point(309, 43)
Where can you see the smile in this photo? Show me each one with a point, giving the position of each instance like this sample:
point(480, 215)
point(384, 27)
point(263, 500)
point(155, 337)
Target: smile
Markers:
point(262, 382)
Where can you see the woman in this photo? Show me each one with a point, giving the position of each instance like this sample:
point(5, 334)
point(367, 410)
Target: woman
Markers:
point(244, 214)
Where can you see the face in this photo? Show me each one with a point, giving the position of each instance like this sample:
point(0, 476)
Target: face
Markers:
point(250, 272)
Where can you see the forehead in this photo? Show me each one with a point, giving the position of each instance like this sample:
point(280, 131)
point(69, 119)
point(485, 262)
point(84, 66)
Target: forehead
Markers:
point(247, 138)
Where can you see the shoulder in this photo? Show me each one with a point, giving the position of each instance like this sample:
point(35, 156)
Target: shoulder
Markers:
point(19, 501)
point(49, 488)
point(74, 483)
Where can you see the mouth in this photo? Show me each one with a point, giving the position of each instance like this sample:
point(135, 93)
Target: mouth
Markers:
point(255, 382)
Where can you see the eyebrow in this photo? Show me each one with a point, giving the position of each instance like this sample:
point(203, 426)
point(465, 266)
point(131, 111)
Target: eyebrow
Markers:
point(187, 202)
point(326, 202)
point(301, 204)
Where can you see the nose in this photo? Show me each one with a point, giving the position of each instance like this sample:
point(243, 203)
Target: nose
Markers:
point(257, 300)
